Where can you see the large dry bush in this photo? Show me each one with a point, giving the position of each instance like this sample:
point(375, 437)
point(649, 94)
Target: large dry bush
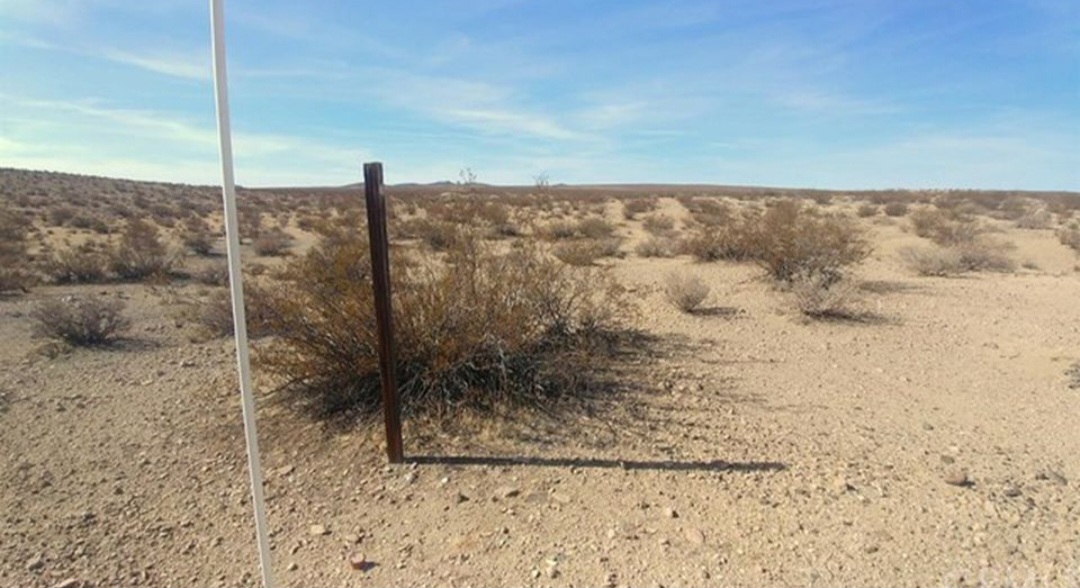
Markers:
point(80, 321)
point(895, 209)
point(15, 272)
point(141, 253)
point(481, 330)
point(635, 206)
point(657, 247)
point(789, 240)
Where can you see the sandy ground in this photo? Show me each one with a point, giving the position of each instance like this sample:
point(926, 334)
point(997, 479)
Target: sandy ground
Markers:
point(758, 449)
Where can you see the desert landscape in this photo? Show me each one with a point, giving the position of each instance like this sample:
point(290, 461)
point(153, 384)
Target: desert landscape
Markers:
point(641, 385)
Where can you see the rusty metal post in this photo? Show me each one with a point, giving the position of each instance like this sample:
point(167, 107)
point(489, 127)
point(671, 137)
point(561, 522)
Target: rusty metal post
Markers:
point(380, 276)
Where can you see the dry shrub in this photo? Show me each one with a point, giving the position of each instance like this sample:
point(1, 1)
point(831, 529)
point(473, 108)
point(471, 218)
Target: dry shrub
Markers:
point(819, 296)
point(727, 242)
point(141, 253)
point(560, 230)
point(80, 321)
point(197, 236)
point(1070, 237)
point(1039, 218)
point(15, 272)
point(439, 235)
point(483, 331)
point(272, 243)
point(685, 292)
point(84, 264)
point(213, 274)
point(866, 210)
point(789, 240)
point(657, 247)
point(636, 206)
point(214, 312)
point(660, 225)
point(979, 255)
point(945, 227)
point(595, 228)
point(585, 252)
point(986, 255)
point(932, 261)
point(896, 209)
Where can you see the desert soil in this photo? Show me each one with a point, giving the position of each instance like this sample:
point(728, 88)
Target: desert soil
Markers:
point(934, 444)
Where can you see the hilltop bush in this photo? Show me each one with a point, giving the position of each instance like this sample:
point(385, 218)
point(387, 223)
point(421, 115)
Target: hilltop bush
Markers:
point(484, 330)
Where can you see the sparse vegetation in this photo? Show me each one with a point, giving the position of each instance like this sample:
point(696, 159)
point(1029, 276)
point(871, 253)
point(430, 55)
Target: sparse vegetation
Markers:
point(485, 331)
point(896, 209)
point(80, 321)
point(819, 296)
point(685, 292)
point(15, 273)
point(84, 264)
point(141, 253)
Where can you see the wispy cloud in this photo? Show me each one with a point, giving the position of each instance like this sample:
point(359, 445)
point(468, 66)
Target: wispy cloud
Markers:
point(191, 66)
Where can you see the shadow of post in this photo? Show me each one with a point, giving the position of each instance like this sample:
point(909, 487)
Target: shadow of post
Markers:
point(668, 465)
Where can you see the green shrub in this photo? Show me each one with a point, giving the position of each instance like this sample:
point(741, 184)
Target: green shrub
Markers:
point(80, 321)
point(483, 331)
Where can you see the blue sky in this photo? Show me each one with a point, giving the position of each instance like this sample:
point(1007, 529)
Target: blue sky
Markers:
point(826, 94)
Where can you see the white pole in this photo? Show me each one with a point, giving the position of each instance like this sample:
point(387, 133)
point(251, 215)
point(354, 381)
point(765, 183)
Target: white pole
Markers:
point(232, 241)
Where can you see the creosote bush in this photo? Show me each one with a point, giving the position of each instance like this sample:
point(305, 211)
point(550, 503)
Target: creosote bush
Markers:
point(80, 321)
point(685, 292)
point(480, 330)
point(82, 264)
point(896, 209)
point(141, 253)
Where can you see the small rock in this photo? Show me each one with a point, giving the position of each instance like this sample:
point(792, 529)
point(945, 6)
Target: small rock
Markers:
point(671, 513)
point(35, 563)
point(69, 583)
point(293, 567)
point(507, 492)
point(957, 477)
point(871, 548)
point(317, 530)
point(459, 498)
point(695, 536)
point(357, 561)
point(352, 538)
point(1011, 490)
point(927, 427)
point(410, 477)
point(536, 573)
point(948, 459)
point(187, 363)
point(560, 498)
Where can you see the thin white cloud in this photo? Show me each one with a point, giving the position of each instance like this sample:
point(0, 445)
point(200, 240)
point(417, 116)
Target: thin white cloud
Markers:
point(189, 66)
point(499, 121)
